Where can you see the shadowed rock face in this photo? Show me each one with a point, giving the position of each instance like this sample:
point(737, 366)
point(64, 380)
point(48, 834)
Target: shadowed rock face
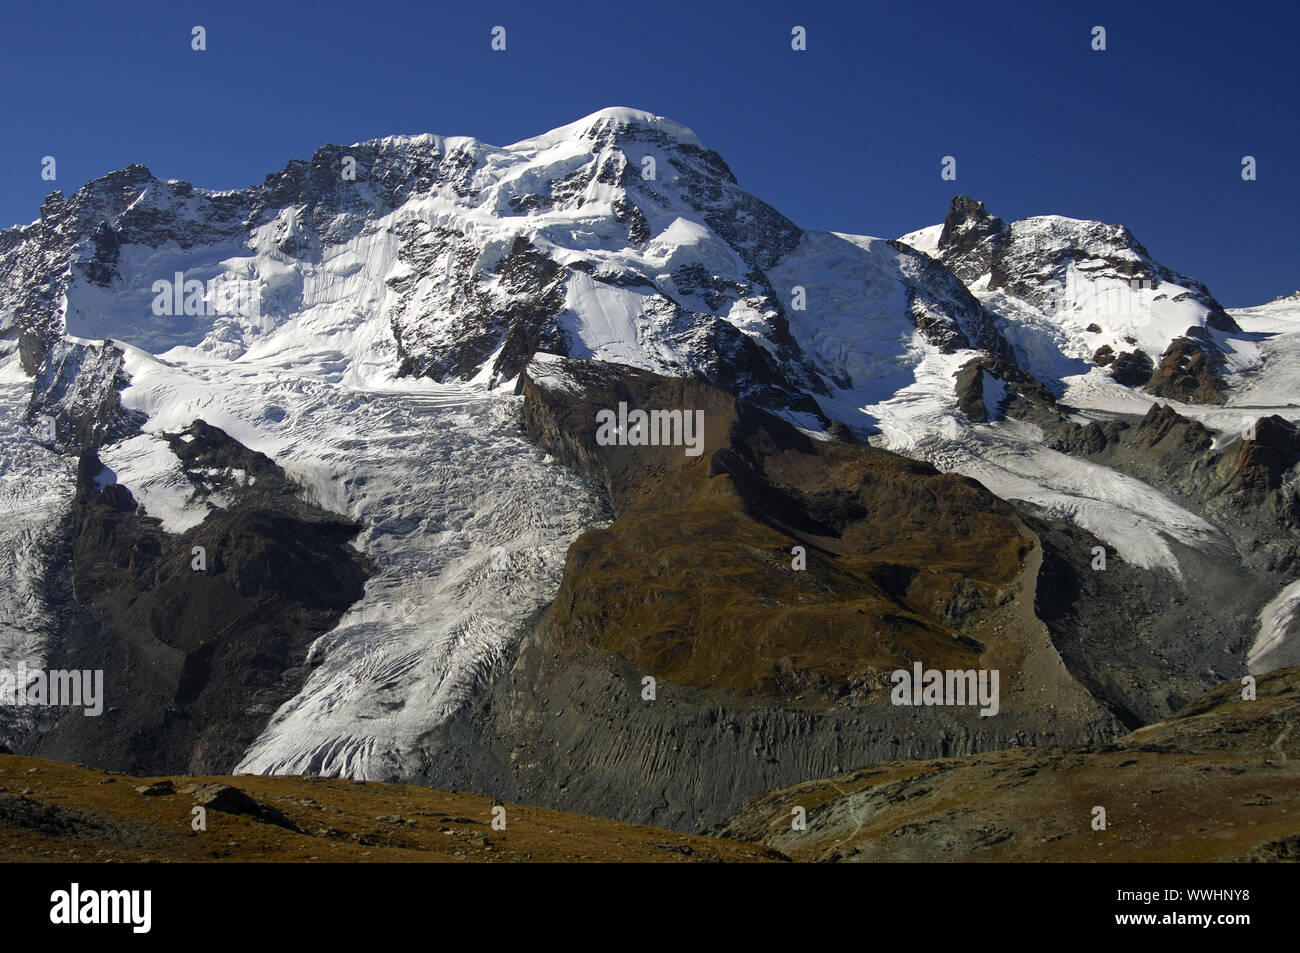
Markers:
point(1039, 804)
point(195, 660)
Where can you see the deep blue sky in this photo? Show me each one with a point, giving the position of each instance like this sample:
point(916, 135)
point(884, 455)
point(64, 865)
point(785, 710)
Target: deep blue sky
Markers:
point(846, 136)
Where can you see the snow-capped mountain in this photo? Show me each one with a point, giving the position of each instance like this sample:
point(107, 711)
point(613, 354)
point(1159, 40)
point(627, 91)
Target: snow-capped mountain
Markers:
point(362, 320)
point(617, 238)
point(1071, 294)
point(1112, 333)
point(350, 318)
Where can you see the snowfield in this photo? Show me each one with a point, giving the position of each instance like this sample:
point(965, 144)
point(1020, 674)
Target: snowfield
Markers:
point(1278, 641)
point(467, 523)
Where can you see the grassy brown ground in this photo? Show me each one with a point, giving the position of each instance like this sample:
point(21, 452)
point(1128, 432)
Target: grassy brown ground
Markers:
point(74, 813)
point(1219, 782)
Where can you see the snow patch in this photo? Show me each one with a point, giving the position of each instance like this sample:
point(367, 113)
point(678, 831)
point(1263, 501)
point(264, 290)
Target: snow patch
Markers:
point(1277, 644)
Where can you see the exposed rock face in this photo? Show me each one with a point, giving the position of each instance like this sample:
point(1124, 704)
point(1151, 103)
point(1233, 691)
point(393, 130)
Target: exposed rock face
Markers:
point(985, 385)
point(1247, 486)
point(972, 239)
point(1190, 370)
point(1132, 369)
point(970, 393)
point(1040, 805)
point(197, 650)
point(944, 308)
point(1140, 641)
point(77, 390)
point(1030, 258)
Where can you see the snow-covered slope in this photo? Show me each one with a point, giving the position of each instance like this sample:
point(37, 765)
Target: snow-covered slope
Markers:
point(924, 239)
point(1278, 642)
point(1065, 288)
point(1062, 289)
point(1266, 376)
point(617, 237)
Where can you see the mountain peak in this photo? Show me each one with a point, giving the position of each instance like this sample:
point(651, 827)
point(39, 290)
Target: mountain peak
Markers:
point(615, 122)
point(963, 207)
point(622, 117)
point(966, 215)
